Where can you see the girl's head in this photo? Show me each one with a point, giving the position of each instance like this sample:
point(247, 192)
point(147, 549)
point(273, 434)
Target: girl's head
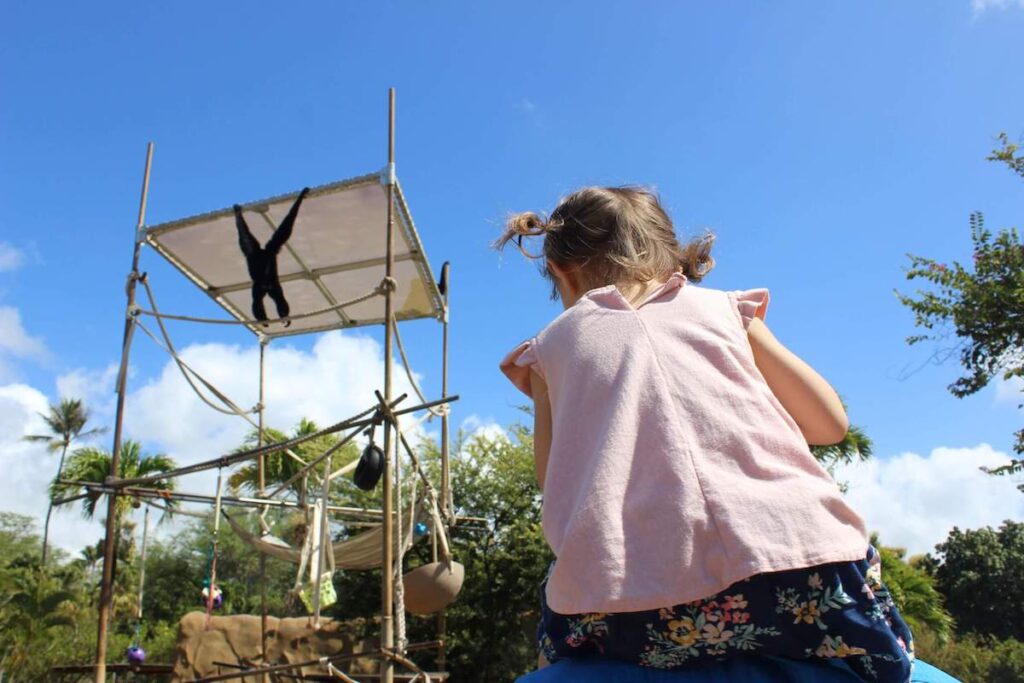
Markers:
point(600, 236)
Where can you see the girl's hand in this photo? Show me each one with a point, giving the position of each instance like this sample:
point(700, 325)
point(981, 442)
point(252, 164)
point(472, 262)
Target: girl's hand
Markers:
point(805, 394)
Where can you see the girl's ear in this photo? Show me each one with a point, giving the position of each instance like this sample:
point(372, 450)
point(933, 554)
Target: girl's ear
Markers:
point(568, 282)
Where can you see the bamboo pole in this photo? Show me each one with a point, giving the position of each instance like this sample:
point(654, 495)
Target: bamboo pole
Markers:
point(261, 484)
point(106, 586)
point(213, 550)
point(445, 462)
point(252, 454)
point(446, 497)
point(387, 639)
point(142, 562)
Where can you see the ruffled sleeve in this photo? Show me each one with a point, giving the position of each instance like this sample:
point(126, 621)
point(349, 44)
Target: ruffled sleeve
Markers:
point(752, 303)
point(518, 364)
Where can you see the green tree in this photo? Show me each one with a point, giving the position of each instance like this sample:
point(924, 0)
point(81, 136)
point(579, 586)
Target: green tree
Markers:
point(18, 541)
point(33, 611)
point(855, 446)
point(281, 467)
point(981, 304)
point(92, 465)
point(980, 571)
point(914, 592)
point(493, 623)
point(66, 421)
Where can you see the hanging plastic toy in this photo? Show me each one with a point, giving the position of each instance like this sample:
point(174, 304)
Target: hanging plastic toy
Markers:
point(218, 595)
point(213, 598)
point(136, 656)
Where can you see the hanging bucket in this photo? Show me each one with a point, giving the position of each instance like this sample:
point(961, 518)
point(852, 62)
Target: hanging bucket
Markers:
point(370, 467)
point(432, 587)
point(328, 596)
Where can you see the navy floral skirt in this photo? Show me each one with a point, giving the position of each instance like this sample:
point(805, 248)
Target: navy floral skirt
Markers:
point(840, 610)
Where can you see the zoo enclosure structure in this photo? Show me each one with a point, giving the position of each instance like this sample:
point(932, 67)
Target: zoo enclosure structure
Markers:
point(342, 269)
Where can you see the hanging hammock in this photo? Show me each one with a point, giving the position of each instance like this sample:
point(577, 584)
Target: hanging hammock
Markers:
point(359, 552)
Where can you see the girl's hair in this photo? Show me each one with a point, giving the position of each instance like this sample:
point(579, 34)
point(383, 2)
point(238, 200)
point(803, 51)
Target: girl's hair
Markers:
point(612, 235)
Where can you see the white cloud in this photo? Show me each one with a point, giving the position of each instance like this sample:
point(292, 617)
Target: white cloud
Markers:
point(913, 501)
point(474, 426)
point(28, 469)
point(15, 342)
point(11, 257)
point(94, 387)
point(980, 6)
point(14, 339)
point(332, 381)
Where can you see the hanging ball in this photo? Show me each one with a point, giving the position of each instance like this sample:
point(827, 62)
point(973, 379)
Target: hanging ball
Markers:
point(136, 655)
point(218, 597)
point(420, 529)
point(370, 467)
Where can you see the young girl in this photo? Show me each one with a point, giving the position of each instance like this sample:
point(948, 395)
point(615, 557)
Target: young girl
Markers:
point(689, 520)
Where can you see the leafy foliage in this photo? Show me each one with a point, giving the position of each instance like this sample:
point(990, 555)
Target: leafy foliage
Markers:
point(492, 624)
point(973, 658)
point(280, 467)
point(914, 592)
point(980, 572)
point(855, 446)
point(93, 465)
point(981, 304)
point(66, 421)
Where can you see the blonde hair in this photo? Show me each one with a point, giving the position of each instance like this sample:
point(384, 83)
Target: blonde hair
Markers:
point(613, 235)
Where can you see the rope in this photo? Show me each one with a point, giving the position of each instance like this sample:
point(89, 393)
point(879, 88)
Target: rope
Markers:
point(401, 641)
point(379, 290)
point(399, 589)
point(307, 548)
point(434, 412)
point(185, 369)
point(213, 549)
point(322, 543)
point(173, 511)
point(334, 671)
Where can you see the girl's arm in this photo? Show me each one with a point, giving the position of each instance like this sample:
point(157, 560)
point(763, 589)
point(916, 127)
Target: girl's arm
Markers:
point(541, 426)
point(805, 394)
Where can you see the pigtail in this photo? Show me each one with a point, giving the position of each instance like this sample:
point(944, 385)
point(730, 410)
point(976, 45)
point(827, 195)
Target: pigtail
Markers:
point(526, 224)
point(695, 259)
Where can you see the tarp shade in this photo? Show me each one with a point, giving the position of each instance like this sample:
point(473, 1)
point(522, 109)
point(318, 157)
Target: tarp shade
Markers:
point(336, 253)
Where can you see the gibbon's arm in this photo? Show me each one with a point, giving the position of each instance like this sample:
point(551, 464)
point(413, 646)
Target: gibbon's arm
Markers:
point(246, 241)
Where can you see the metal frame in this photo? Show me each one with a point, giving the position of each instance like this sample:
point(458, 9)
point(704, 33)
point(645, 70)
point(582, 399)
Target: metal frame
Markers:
point(385, 411)
point(150, 236)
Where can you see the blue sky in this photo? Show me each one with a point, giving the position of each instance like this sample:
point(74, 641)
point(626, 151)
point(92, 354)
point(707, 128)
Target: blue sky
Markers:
point(821, 142)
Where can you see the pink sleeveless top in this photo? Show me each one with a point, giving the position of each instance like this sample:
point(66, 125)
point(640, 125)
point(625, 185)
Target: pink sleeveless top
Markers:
point(674, 471)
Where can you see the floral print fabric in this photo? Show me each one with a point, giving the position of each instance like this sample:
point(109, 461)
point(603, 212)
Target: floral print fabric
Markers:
point(834, 611)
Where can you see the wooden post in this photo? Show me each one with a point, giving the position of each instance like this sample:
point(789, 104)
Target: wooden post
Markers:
point(142, 563)
point(262, 485)
point(106, 586)
point(446, 494)
point(387, 636)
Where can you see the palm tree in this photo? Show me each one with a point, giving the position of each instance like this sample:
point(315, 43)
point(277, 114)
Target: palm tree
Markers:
point(66, 421)
point(93, 465)
point(37, 606)
point(856, 445)
point(280, 467)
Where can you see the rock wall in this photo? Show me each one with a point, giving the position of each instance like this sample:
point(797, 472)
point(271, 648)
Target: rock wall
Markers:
point(236, 640)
